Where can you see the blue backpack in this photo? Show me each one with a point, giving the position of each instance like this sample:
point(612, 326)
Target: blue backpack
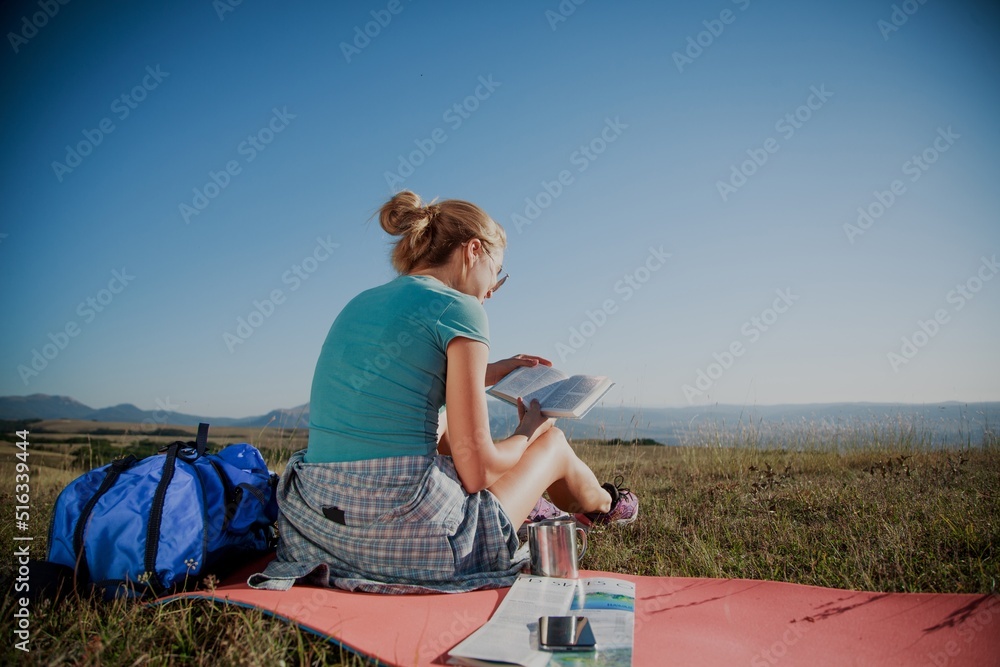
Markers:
point(136, 528)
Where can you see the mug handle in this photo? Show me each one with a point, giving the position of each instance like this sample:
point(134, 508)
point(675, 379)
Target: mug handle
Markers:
point(583, 538)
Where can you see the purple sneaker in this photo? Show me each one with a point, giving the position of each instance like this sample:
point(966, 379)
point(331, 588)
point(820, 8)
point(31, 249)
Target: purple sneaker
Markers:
point(544, 509)
point(624, 505)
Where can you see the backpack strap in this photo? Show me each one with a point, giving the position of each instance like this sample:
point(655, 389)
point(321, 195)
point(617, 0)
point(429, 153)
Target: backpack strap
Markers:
point(192, 449)
point(156, 510)
point(156, 518)
point(202, 441)
point(231, 497)
point(117, 467)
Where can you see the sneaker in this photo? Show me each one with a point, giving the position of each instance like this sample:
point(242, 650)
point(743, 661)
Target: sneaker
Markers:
point(544, 509)
point(624, 505)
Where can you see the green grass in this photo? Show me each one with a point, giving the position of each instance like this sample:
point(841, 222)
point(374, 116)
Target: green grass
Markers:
point(879, 511)
point(885, 519)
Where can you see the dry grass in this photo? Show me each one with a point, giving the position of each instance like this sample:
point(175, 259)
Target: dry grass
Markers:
point(877, 519)
point(866, 511)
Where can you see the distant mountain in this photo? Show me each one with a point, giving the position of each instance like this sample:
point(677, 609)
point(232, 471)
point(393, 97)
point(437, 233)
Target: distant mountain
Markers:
point(287, 419)
point(935, 423)
point(125, 412)
point(42, 406)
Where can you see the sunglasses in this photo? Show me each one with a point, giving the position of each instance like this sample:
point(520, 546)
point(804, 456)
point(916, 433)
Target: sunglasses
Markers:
point(505, 276)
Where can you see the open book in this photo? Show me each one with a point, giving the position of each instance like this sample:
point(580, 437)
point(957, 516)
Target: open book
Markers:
point(511, 634)
point(560, 395)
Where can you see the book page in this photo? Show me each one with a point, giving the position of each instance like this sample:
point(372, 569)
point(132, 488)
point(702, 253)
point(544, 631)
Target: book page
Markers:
point(571, 393)
point(529, 382)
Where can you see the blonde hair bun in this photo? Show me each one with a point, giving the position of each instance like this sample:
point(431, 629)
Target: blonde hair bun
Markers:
point(399, 214)
point(431, 233)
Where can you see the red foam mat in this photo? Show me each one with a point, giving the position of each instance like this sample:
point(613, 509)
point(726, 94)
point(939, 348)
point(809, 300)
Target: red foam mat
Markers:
point(679, 621)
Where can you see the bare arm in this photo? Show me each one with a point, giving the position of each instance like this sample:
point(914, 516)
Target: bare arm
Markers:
point(478, 459)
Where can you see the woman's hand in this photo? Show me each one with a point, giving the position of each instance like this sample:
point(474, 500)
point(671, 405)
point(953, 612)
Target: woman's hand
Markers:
point(500, 369)
point(532, 422)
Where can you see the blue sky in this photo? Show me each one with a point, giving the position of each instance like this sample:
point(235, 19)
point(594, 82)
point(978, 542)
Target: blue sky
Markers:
point(680, 188)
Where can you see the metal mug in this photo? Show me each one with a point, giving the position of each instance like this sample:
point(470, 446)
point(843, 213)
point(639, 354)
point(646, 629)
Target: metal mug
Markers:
point(552, 545)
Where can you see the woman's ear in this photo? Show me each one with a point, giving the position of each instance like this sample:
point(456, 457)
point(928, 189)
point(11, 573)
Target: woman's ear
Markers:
point(473, 247)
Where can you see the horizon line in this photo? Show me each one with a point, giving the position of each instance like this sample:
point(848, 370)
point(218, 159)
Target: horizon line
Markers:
point(491, 399)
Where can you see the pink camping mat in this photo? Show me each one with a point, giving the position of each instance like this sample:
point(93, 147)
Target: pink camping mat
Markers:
point(679, 621)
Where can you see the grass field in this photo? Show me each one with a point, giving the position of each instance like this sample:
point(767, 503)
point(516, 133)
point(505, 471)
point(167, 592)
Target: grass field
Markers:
point(876, 511)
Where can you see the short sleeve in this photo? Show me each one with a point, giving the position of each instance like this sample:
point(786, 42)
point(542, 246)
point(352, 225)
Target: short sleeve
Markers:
point(463, 317)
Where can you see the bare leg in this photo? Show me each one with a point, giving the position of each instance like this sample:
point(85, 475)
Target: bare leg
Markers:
point(550, 464)
point(562, 498)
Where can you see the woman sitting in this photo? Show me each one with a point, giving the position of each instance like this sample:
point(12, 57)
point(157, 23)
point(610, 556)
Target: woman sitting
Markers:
point(390, 497)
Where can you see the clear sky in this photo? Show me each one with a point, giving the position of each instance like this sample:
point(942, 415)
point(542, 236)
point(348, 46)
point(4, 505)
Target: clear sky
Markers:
point(680, 184)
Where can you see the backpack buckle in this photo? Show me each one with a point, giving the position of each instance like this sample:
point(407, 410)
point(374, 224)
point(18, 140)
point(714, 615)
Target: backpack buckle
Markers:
point(187, 451)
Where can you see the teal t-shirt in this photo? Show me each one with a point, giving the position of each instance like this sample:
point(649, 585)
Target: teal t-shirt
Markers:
point(379, 381)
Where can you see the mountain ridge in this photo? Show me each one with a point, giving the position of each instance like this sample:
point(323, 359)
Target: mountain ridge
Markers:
point(946, 421)
point(45, 406)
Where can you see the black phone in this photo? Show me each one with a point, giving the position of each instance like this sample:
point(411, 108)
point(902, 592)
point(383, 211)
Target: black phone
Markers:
point(565, 633)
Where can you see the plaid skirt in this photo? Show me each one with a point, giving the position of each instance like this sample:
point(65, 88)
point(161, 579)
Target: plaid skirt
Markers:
point(393, 525)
